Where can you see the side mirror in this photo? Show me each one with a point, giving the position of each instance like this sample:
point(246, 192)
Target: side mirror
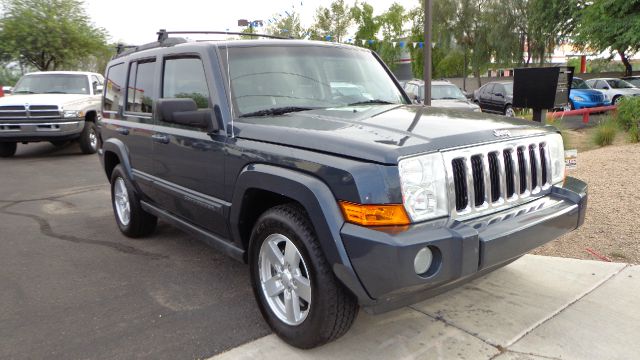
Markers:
point(184, 111)
point(99, 89)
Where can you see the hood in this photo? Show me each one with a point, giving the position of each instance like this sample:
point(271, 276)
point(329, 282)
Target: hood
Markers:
point(64, 100)
point(574, 92)
point(383, 133)
point(455, 104)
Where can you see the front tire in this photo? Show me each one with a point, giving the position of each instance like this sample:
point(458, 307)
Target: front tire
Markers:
point(132, 220)
point(295, 288)
point(8, 149)
point(89, 138)
point(616, 100)
point(508, 111)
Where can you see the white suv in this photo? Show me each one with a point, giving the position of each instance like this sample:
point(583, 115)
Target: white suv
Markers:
point(613, 89)
point(55, 106)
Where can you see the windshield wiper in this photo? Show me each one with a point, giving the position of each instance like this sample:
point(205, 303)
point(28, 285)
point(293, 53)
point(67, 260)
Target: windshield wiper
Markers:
point(55, 92)
point(24, 92)
point(374, 101)
point(276, 111)
point(448, 98)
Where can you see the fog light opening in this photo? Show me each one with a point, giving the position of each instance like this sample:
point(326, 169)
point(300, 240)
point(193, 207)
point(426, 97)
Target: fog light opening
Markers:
point(427, 261)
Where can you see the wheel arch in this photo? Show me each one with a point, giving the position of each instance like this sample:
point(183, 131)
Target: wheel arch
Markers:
point(115, 152)
point(313, 195)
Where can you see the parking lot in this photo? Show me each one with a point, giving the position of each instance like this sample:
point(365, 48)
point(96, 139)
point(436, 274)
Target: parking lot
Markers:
point(73, 287)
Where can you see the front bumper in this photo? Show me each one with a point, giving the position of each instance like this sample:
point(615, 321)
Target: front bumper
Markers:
point(589, 104)
point(383, 257)
point(43, 130)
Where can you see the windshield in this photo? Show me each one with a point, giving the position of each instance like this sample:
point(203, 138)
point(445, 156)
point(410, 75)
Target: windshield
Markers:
point(508, 87)
point(619, 84)
point(446, 92)
point(52, 84)
point(579, 84)
point(299, 78)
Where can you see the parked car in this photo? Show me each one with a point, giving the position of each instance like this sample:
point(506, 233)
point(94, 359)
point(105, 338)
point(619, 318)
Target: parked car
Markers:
point(1, 91)
point(335, 200)
point(495, 97)
point(443, 94)
point(582, 96)
point(55, 106)
point(614, 89)
point(633, 80)
point(7, 90)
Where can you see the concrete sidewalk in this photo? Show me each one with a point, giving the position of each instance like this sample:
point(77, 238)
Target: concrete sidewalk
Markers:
point(536, 308)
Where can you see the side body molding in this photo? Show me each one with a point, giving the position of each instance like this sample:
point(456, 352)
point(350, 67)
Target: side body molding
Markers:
point(320, 204)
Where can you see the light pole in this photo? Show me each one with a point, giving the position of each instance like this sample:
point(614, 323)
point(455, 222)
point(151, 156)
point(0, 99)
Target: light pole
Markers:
point(428, 19)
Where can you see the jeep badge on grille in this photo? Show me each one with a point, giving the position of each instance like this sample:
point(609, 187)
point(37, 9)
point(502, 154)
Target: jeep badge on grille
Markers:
point(501, 133)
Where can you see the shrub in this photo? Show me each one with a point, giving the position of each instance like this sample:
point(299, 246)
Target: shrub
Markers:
point(628, 114)
point(634, 133)
point(605, 133)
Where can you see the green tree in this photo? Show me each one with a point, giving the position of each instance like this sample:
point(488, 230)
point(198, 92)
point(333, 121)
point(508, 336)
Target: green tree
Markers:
point(368, 25)
point(288, 26)
point(391, 22)
point(611, 24)
point(333, 21)
point(49, 34)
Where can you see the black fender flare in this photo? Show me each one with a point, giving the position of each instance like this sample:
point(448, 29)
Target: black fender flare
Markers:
point(117, 147)
point(320, 204)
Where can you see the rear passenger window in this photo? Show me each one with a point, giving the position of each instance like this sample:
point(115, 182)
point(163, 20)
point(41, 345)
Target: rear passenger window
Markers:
point(142, 87)
point(185, 78)
point(114, 92)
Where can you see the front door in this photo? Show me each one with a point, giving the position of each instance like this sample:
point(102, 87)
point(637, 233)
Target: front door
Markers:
point(188, 167)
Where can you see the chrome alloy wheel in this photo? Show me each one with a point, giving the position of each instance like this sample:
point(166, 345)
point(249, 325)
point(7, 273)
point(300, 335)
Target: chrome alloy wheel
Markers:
point(510, 112)
point(284, 279)
point(121, 201)
point(93, 139)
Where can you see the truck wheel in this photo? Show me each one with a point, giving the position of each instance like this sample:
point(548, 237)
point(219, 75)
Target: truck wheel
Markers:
point(89, 138)
point(616, 100)
point(8, 149)
point(132, 220)
point(295, 288)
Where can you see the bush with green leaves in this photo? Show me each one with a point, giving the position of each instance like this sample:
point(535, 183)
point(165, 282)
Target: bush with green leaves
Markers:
point(634, 134)
point(605, 133)
point(628, 114)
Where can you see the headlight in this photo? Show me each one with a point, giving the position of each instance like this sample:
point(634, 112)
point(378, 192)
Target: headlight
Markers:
point(477, 109)
point(424, 187)
point(73, 114)
point(556, 151)
point(579, 98)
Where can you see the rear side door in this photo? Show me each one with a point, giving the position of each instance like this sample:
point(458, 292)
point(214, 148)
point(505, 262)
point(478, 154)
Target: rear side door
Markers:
point(188, 168)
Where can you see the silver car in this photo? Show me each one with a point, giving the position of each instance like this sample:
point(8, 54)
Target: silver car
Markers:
point(443, 94)
point(613, 89)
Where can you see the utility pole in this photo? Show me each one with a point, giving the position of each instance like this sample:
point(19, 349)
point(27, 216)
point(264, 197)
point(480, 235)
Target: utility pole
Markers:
point(428, 20)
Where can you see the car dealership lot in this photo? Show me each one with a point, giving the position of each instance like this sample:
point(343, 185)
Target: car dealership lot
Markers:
point(71, 286)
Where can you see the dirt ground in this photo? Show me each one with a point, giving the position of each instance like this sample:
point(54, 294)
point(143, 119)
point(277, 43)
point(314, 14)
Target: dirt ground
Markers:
point(610, 229)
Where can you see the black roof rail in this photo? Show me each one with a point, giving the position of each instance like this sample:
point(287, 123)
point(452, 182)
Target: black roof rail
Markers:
point(164, 34)
point(165, 41)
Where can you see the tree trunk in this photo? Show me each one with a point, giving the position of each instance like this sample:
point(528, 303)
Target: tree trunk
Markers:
point(464, 71)
point(628, 69)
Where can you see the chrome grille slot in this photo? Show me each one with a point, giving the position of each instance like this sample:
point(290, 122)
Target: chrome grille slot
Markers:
point(497, 176)
point(20, 112)
point(460, 183)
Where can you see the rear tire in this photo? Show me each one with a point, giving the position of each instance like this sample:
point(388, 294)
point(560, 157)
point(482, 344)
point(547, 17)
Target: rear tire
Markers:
point(132, 220)
point(508, 111)
point(616, 100)
point(89, 138)
point(296, 290)
point(8, 149)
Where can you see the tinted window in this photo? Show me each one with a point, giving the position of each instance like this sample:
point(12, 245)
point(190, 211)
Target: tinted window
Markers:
point(619, 84)
point(52, 84)
point(185, 78)
point(601, 85)
point(446, 92)
point(487, 89)
point(498, 89)
point(114, 92)
point(141, 91)
point(579, 84)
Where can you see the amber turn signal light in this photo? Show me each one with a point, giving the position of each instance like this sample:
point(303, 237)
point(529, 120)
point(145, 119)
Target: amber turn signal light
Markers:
point(374, 215)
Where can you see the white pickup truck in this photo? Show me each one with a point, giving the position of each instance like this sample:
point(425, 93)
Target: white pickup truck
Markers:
point(54, 106)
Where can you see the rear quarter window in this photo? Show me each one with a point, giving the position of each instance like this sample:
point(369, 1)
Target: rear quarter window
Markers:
point(114, 92)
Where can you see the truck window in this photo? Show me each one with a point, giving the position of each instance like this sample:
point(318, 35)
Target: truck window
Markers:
point(114, 91)
point(141, 87)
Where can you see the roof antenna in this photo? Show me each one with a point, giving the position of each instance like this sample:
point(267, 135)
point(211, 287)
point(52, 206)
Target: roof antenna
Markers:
point(162, 35)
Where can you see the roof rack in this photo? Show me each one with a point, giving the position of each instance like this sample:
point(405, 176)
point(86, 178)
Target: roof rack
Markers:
point(165, 41)
point(164, 34)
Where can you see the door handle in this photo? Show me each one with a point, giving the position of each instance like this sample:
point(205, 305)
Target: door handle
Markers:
point(161, 138)
point(123, 131)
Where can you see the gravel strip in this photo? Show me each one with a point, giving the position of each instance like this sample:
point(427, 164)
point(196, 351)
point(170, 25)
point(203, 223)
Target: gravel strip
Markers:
point(613, 210)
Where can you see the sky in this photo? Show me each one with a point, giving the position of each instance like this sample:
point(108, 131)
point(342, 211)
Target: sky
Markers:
point(137, 21)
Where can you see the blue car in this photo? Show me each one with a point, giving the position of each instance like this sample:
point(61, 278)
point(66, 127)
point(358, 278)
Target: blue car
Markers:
point(582, 96)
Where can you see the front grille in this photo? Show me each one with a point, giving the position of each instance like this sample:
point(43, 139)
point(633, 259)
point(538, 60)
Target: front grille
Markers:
point(21, 112)
point(496, 175)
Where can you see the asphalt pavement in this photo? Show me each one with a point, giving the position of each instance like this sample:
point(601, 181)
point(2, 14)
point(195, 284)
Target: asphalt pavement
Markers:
point(72, 287)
